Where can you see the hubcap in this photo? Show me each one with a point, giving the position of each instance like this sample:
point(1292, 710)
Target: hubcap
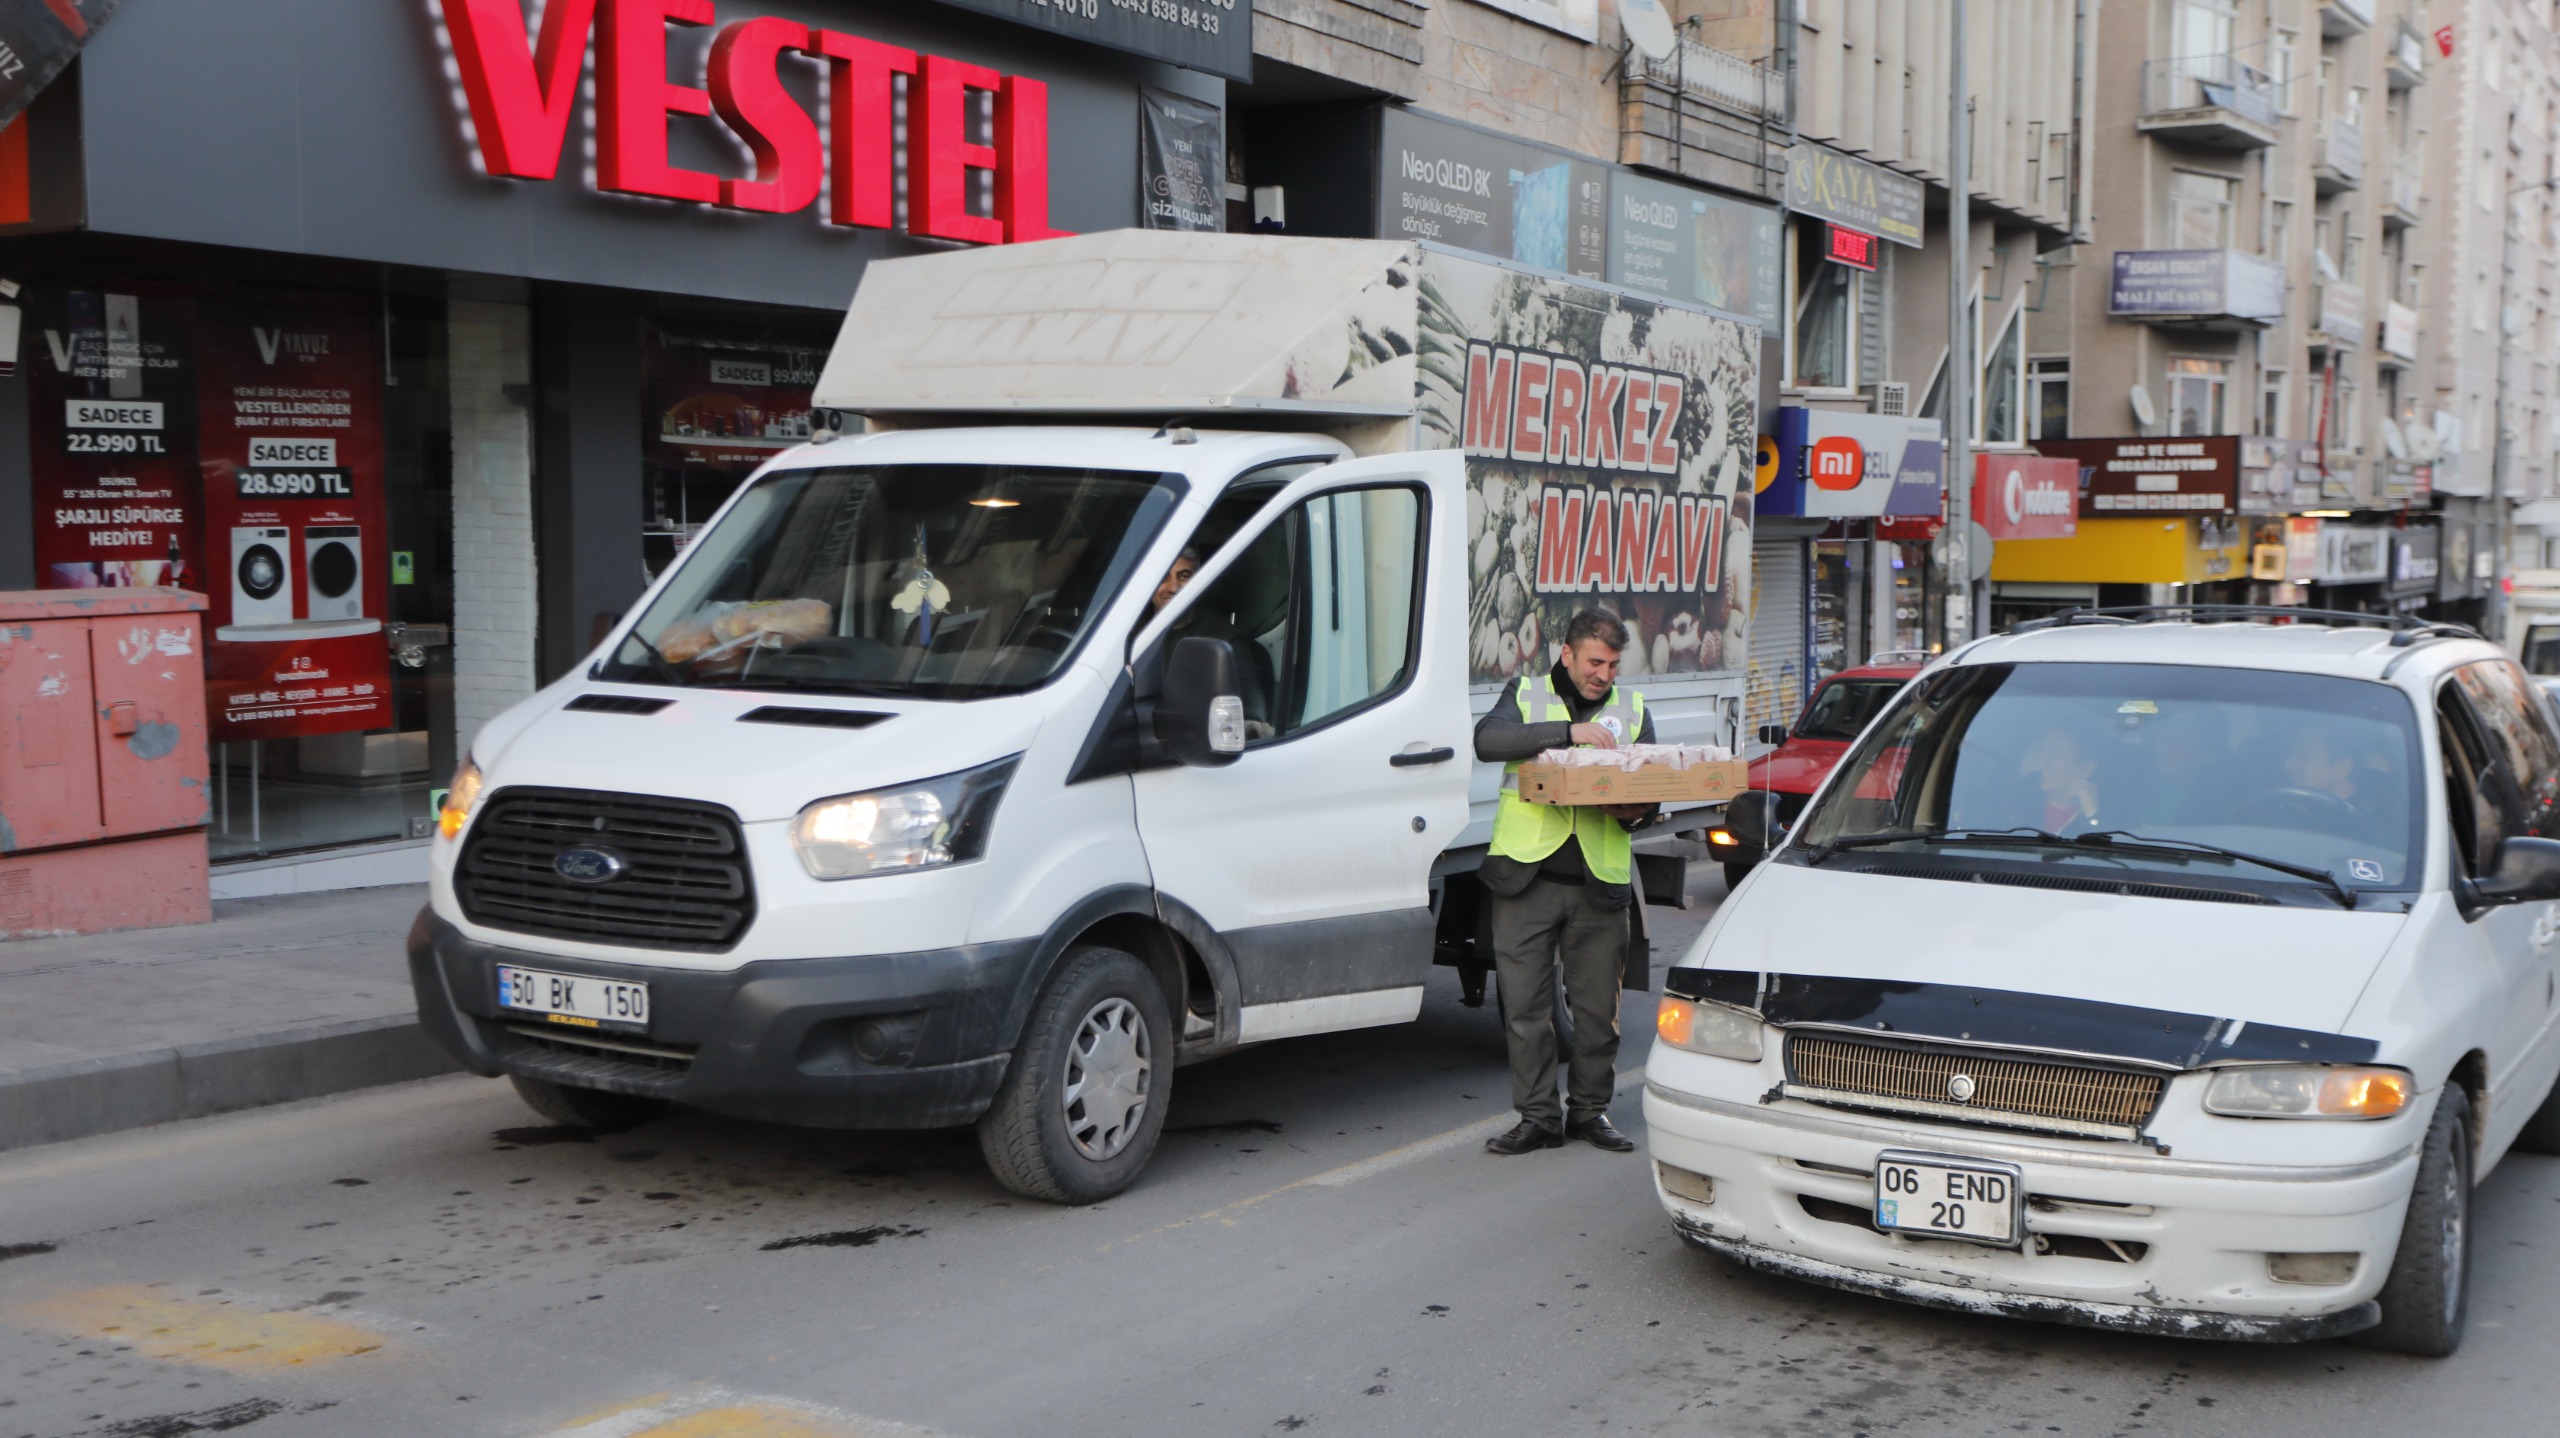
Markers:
point(1107, 1073)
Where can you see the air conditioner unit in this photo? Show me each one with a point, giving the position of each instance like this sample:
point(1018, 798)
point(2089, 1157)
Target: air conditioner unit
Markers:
point(1890, 397)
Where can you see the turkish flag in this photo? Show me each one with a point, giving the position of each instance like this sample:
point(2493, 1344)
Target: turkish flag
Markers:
point(2444, 41)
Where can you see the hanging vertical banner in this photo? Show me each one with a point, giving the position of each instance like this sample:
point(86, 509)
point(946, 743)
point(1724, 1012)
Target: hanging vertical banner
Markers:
point(289, 442)
point(38, 38)
point(1182, 163)
point(111, 421)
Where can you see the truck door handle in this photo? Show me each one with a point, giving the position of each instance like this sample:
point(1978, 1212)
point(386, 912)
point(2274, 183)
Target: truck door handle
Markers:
point(1413, 757)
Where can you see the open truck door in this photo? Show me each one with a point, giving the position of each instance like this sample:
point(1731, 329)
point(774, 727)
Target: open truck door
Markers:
point(1306, 855)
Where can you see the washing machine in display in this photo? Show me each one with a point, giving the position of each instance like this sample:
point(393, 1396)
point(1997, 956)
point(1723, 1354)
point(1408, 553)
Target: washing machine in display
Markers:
point(333, 571)
point(261, 576)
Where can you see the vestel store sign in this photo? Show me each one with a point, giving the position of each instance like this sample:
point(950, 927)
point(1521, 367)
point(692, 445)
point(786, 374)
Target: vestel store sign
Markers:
point(520, 87)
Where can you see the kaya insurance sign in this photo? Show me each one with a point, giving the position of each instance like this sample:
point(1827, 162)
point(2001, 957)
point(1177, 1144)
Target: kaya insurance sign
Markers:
point(1823, 465)
point(520, 87)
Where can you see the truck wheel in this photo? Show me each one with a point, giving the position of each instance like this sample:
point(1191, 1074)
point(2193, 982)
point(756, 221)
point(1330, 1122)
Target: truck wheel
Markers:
point(585, 1107)
point(1077, 1115)
point(2427, 1298)
point(2542, 1131)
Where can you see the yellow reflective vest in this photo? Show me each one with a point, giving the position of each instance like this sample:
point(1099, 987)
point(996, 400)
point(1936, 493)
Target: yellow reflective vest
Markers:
point(1529, 832)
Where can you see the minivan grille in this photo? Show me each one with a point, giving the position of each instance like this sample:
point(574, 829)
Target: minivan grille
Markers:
point(686, 884)
point(2019, 1092)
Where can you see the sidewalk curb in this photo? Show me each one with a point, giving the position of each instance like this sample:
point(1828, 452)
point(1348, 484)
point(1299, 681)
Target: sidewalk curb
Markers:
point(95, 1096)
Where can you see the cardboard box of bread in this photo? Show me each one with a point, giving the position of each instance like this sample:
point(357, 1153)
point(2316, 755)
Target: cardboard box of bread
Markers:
point(1635, 774)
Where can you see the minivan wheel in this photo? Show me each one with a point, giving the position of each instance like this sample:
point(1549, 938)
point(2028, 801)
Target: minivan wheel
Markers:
point(585, 1107)
point(1076, 1117)
point(2427, 1298)
point(2541, 1133)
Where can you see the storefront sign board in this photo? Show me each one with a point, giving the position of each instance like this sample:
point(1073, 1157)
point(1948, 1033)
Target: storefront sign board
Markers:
point(2353, 554)
point(2203, 283)
point(1182, 163)
point(38, 38)
point(1214, 36)
point(1828, 465)
point(2025, 496)
point(1828, 185)
point(1471, 190)
point(2196, 475)
point(111, 411)
point(1690, 244)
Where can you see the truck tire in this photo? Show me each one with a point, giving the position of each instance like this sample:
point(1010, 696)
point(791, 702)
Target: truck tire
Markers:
point(2541, 1132)
point(1076, 1117)
point(1735, 872)
point(585, 1107)
point(2427, 1298)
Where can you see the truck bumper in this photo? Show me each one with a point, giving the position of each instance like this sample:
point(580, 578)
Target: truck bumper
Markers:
point(877, 1041)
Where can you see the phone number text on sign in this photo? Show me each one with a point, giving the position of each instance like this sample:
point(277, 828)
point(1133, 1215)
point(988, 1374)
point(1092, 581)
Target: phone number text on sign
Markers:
point(295, 484)
point(1202, 17)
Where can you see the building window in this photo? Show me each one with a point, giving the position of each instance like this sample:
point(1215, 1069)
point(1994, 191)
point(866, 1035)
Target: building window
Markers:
point(2200, 210)
point(2342, 418)
point(2280, 65)
point(2195, 395)
point(2271, 385)
point(2004, 383)
point(2049, 398)
point(1822, 334)
point(2280, 231)
point(2350, 257)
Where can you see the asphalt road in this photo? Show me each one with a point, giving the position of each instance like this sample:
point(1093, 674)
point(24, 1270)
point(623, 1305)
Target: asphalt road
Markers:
point(1321, 1246)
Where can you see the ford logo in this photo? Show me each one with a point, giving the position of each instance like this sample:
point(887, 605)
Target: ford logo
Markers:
point(588, 865)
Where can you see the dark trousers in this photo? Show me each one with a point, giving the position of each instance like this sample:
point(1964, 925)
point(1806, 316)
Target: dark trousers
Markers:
point(1532, 931)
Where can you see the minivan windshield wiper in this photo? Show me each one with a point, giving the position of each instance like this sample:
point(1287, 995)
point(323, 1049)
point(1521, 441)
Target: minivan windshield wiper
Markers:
point(2109, 840)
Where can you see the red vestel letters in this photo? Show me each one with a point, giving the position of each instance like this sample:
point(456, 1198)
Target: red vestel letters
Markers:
point(520, 89)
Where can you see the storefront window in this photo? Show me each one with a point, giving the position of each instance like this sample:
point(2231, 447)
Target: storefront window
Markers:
point(289, 454)
point(1840, 585)
point(718, 403)
point(1912, 626)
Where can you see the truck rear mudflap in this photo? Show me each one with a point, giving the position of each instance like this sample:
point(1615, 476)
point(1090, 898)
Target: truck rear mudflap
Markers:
point(879, 1041)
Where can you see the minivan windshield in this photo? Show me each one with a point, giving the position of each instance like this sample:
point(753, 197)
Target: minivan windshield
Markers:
point(933, 580)
point(2292, 780)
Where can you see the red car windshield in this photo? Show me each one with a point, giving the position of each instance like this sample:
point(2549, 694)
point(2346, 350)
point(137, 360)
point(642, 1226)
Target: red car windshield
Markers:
point(1844, 706)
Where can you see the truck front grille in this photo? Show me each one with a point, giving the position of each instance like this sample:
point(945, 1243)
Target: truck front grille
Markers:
point(685, 883)
point(1972, 1086)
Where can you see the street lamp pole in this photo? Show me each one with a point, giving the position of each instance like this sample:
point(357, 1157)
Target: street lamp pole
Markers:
point(2501, 514)
point(1957, 412)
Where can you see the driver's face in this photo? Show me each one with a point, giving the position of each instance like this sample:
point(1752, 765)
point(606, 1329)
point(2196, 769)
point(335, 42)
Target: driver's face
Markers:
point(2312, 766)
point(1174, 580)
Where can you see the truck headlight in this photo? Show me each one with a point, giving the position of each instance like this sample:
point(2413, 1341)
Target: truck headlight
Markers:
point(2309, 1091)
point(898, 831)
point(1726, 1033)
point(458, 799)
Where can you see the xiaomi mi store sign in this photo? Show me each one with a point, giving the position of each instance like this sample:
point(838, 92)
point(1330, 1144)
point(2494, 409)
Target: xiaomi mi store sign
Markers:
point(520, 84)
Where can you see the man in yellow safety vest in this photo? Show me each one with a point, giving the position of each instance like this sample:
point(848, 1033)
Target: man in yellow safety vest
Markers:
point(1559, 881)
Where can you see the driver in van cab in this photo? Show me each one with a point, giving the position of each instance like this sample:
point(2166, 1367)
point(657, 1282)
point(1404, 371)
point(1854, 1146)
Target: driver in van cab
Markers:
point(2066, 778)
point(1186, 565)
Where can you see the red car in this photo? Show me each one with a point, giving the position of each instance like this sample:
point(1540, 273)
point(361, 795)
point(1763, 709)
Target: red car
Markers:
point(1785, 777)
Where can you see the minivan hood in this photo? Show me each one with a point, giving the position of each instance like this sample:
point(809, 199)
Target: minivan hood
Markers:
point(2297, 967)
point(698, 747)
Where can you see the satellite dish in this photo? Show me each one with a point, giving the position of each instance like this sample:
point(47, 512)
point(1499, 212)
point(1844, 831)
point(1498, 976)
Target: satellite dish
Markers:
point(2143, 409)
point(1648, 28)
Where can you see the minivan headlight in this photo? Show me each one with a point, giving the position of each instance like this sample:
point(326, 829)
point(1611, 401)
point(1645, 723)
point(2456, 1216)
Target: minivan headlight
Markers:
point(2309, 1091)
point(1708, 1028)
point(458, 799)
point(898, 831)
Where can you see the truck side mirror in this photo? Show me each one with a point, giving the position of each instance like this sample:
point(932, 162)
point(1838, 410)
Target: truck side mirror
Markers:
point(2527, 871)
point(1773, 734)
point(1200, 720)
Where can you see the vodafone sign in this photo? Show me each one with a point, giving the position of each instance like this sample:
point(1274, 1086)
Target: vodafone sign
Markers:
point(2024, 496)
point(521, 86)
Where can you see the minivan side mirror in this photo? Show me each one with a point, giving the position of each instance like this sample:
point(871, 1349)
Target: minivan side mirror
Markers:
point(1773, 733)
point(2527, 871)
point(1200, 720)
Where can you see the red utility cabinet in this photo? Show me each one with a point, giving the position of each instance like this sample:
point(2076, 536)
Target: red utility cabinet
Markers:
point(103, 787)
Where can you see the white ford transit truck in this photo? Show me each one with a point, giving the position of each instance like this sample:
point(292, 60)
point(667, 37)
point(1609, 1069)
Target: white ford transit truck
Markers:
point(921, 793)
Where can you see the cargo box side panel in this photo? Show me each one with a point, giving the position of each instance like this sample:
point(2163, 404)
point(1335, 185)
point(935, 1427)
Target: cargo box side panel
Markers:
point(1610, 455)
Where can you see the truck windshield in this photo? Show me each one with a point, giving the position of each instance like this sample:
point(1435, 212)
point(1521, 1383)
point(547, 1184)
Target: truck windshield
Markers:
point(933, 580)
point(2298, 780)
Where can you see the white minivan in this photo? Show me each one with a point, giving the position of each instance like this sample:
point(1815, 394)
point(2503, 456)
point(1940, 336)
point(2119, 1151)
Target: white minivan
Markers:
point(2140, 972)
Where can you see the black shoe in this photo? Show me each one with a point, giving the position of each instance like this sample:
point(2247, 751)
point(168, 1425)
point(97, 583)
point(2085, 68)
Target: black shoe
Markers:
point(1524, 1136)
point(1601, 1134)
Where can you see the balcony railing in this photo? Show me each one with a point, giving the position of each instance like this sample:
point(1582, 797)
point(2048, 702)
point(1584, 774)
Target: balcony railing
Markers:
point(2339, 162)
point(2408, 188)
point(1706, 73)
point(2342, 18)
point(2209, 99)
point(2406, 65)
